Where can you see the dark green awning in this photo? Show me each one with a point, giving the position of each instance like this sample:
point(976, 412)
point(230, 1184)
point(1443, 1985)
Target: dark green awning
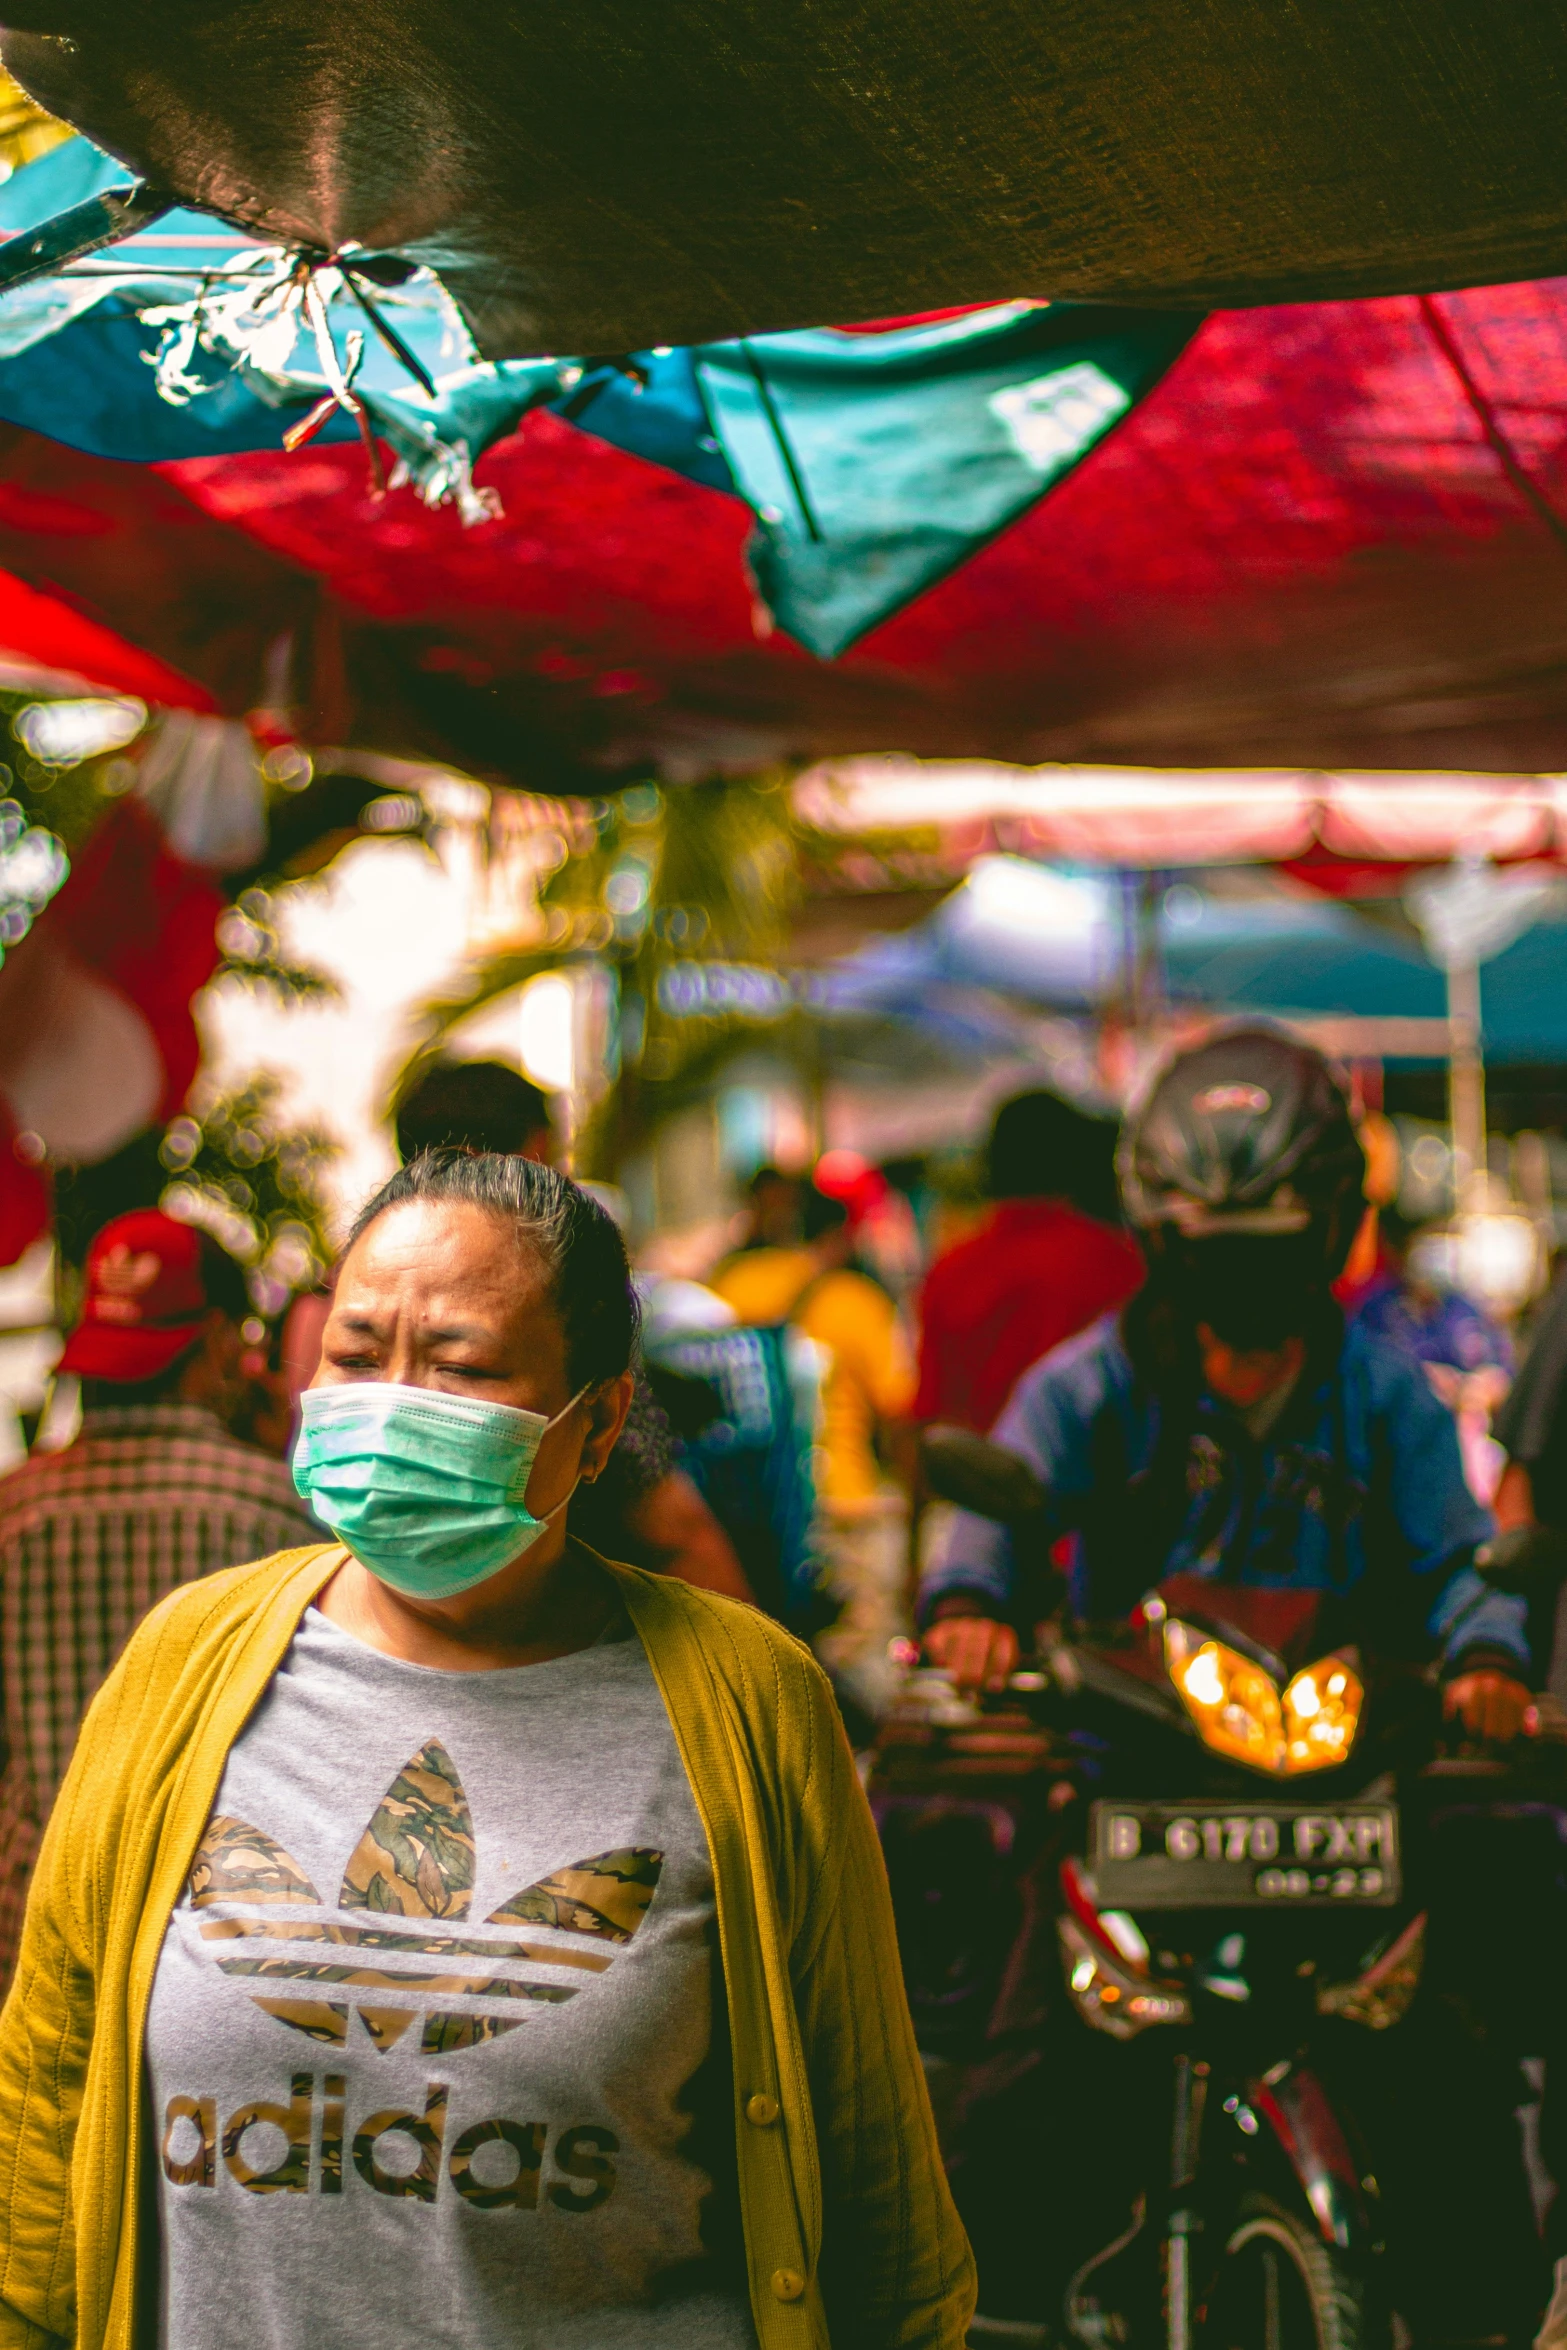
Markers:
point(610, 175)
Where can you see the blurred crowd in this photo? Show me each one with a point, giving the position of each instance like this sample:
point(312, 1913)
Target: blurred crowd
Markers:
point(771, 1449)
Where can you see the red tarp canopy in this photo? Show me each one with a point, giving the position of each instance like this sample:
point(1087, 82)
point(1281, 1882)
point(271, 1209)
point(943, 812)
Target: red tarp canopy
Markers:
point(1335, 535)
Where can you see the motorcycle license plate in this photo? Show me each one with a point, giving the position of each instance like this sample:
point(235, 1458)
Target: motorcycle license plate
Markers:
point(1244, 1855)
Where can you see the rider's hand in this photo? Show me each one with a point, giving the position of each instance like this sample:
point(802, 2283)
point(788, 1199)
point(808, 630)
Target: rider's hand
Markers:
point(1489, 1704)
point(978, 1652)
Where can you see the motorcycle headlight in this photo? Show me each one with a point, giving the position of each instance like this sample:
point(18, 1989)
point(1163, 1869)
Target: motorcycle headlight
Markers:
point(1238, 1710)
point(1322, 1714)
point(1233, 1702)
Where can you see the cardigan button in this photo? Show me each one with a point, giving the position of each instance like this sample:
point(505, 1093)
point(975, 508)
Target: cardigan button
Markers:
point(761, 2109)
point(788, 2284)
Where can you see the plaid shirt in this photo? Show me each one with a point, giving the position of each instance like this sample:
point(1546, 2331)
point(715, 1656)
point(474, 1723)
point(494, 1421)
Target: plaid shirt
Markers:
point(148, 1497)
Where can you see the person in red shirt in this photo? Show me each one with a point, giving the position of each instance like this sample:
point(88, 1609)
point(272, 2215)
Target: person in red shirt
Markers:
point(1039, 1269)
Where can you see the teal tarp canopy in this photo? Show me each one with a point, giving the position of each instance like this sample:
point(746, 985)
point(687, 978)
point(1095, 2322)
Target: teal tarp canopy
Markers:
point(878, 462)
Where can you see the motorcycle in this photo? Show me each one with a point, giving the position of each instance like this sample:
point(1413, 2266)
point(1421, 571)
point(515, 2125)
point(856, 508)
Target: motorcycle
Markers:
point(1221, 1812)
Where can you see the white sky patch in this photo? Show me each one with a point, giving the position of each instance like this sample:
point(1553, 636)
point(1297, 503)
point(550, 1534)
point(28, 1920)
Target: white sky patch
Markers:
point(391, 926)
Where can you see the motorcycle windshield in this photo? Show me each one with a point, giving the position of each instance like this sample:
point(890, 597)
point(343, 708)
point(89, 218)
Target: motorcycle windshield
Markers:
point(1283, 1629)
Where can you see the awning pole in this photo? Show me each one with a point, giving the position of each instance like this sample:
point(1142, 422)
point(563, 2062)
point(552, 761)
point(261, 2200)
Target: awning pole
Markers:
point(1466, 1082)
point(1148, 966)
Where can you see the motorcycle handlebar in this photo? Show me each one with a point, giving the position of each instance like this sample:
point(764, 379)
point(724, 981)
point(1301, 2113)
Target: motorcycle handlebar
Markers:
point(1528, 1560)
point(980, 1476)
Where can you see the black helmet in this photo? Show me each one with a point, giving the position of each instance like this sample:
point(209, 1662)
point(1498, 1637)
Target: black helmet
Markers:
point(1247, 1135)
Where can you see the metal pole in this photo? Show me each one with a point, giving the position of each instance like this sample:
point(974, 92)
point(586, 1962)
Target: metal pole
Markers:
point(1178, 2282)
point(1128, 890)
point(1466, 1081)
point(1191, 2089)
point(1148, 971)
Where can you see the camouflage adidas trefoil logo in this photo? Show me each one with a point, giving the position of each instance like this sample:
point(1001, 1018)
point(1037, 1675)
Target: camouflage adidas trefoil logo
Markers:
point(415, 1860)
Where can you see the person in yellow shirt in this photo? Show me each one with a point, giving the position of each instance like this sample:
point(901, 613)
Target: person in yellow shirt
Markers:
point(868, 1383)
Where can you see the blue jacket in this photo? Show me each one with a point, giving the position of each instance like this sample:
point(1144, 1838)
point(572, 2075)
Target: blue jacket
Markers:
point(1357, 1487)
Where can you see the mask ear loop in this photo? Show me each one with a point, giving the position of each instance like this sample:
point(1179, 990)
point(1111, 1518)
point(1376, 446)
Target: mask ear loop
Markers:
point(580, 1478)
point(569, 1407)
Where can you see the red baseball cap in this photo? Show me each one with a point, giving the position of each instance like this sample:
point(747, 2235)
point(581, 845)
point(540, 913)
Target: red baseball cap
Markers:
point(145, 1298)
point(846, 1176)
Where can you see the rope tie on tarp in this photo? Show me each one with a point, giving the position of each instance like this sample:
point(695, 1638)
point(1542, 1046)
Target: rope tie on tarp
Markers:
point(248, 313)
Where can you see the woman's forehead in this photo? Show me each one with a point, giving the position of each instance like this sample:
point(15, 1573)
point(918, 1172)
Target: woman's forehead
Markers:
point(425, 1247)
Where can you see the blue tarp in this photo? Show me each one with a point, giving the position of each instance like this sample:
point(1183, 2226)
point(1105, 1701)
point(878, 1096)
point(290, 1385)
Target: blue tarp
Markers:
point(1057, 940)
point(1281, 956)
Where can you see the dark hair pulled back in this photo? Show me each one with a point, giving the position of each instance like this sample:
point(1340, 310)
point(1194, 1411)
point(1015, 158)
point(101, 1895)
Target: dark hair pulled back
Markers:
point(590, 1277)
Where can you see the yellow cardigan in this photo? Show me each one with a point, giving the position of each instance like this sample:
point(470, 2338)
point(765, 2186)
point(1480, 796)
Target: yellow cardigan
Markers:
point(851, 2237)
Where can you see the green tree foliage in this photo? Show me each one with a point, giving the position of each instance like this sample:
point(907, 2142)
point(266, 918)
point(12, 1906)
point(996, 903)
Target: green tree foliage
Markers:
point(686, 895)
point(253, 954)
point(253, 1180)
point(238, 1169)
point(65, 797)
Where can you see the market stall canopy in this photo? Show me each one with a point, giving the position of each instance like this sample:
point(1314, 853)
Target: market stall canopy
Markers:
point(874, 463)
point(1351, 834)
point(1304, 548)
point(1058, 940)
point(606, 176)
point(47, 647)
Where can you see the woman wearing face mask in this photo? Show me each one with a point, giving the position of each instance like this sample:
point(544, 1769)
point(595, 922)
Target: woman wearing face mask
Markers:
point(444, 1936)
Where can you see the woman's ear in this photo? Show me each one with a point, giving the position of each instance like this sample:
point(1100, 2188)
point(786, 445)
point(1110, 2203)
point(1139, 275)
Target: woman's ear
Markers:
point(607, 1411)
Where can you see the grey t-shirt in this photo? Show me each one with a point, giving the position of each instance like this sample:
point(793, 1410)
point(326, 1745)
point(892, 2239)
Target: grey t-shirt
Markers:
point(431, 2049)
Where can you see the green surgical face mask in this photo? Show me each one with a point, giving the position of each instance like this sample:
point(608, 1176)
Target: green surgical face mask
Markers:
point(425, 1489)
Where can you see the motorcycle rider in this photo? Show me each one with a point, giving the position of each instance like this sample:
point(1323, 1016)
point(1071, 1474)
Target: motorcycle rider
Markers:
point(1226, 1423)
